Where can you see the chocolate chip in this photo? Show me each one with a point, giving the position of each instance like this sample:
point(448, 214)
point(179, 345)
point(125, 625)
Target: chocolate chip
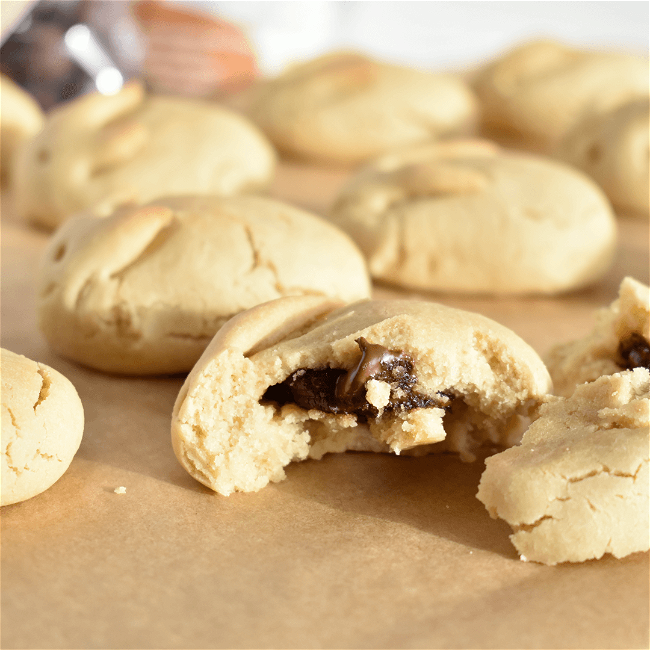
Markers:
point(634, 352)
point(334, 390)
point(312, 389)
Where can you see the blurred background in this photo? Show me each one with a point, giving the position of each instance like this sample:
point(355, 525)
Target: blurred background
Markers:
point(58, 49)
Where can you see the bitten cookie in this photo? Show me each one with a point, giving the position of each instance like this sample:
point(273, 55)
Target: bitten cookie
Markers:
point(534, 94)
point(614, 149)
point(344, 108)
point(466, 216)
point(102, 151)
point(21, 118)
point(619, 341)
point(42, 425)
point(577, 486)
point(144, 290)
point(297, 378)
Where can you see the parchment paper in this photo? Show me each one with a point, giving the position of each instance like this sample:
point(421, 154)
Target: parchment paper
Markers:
point(353, 551)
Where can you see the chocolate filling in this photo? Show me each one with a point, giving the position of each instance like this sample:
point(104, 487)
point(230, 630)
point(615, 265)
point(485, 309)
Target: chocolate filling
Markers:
point(334, 390)
point(634, 352)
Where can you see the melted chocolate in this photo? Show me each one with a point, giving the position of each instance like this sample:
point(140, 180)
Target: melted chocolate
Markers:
point(334, 390)
point(634, 352)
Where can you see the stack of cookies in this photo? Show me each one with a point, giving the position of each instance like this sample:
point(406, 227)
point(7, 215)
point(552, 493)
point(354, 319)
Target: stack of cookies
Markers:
point(168, 257)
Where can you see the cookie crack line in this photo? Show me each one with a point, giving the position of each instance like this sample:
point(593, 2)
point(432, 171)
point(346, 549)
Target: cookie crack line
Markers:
point(256, 262)
point(527, 528)
point(37, 454)
point(604, 470)
point(592, 507)
point(83, 291)
point(123, 319)
point(44, 391)
point(156, 241)
point(41, 454)
point(14, 421)
point(260, 262)
point(10, 463)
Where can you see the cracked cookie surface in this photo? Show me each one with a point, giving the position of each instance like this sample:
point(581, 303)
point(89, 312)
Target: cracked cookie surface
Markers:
point(101, 151)
point(535, 93)
point(144, 290)
point(620, 340)
point(577, 486)
point(300, 377)
point(466, 216)
point(613, 148)
point(42, 426)
point(344, 108)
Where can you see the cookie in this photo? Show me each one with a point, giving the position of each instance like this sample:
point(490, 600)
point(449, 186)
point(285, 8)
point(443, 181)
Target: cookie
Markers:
point(42, 425)
point(577, 486)
point(619, 341)
point(344, 108)
point(468, 217)
point(102, 151)
point(144, 290)
point(300, 377)
point(613, 148)
point(535, 93)
point(21, 118)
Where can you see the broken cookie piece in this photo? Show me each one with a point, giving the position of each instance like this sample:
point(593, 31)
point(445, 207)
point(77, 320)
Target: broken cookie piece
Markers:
point(577, 486)
point(300, 377)
point(42, 426)
point(619, 341)
point(144, 290)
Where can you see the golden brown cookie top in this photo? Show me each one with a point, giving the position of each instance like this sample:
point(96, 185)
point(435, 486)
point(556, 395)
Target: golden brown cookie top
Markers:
point(99, 152)
point(539, 89)
point(42, 426)
point(471, 217)
point(613, 148)
point(155, 282)
point(344, 108)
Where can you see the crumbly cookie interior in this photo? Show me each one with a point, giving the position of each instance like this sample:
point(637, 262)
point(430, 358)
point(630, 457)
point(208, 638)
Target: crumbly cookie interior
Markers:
point(620, 340)
point(244, 428)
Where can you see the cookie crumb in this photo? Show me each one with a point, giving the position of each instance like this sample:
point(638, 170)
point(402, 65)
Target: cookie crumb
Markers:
point(120, 490)
point(523, 558)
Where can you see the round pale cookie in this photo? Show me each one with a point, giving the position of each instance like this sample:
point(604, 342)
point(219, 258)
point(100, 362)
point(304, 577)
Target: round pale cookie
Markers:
point(614, 149)
point(21, 118)
point(577, 486)
point(620, 340)
point(42, 425)
point(343, 108)
point(102, 151)
point(144, 290)
point(465, 216)
point(300, 377)
point(534, 94)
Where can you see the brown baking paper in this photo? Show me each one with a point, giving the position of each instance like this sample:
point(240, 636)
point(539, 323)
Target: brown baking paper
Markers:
point(352, 551)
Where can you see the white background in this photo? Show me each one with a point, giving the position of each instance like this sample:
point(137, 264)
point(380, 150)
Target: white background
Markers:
point(435, 34)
